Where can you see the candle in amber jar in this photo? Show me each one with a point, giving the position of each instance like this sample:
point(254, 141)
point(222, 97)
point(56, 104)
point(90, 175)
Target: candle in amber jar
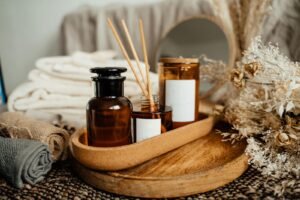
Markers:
point(178, 88)
point(150, 121)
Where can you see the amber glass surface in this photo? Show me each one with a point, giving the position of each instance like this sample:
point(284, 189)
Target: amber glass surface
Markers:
point(142, 110)
point(108, 121)
point(179, 71)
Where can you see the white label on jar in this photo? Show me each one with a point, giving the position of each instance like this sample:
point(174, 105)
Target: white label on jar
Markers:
point(180, 95)
point(147, 128)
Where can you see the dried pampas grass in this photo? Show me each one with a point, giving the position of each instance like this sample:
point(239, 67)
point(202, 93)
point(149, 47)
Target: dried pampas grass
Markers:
point(248, 17)
point(267, 110)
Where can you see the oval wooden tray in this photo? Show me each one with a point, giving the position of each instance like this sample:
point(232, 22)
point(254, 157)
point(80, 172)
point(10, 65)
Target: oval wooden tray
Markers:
point(123, 157)
point(200, 166)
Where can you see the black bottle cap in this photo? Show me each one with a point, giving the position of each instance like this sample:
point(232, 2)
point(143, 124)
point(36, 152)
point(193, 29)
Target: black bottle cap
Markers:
point(109, 81)
point(108, 73)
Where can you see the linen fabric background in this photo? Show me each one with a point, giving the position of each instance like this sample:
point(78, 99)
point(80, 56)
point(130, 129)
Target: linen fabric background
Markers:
point(276, 21)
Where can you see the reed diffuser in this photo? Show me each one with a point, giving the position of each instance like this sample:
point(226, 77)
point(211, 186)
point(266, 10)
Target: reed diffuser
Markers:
point(149, 118)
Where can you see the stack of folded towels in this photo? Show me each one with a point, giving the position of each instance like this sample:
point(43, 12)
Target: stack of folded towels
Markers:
point(61, 86)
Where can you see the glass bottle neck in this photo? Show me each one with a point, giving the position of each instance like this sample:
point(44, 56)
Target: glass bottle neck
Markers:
point(109, 88)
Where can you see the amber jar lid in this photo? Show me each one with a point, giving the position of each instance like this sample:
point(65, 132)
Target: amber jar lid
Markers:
point(179, 60)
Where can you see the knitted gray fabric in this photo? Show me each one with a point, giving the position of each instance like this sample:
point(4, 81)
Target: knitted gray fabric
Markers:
point(23, 160)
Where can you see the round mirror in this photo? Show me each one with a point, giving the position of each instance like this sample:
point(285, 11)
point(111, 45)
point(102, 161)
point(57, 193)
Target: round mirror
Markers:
point(196, 37)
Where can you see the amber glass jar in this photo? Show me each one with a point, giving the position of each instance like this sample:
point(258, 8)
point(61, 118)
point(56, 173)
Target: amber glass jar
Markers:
point(178, 88)
point(109, 112)
point(147, 122)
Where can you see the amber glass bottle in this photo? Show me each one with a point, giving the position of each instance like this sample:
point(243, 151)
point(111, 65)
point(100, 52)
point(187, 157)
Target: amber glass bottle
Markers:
point(109, 112)
point(147, 122)
point(179, 87)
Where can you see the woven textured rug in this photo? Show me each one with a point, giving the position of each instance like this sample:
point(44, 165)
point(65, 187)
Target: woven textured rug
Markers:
point(62, 183)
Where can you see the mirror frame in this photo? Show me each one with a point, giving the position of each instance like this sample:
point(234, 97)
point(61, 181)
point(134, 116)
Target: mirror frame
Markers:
point(229, 34)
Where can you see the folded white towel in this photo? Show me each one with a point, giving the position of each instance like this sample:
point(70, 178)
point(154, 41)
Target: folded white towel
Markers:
point(64, 67)
point(54, 84)
point(37, 95)
point(37, 75)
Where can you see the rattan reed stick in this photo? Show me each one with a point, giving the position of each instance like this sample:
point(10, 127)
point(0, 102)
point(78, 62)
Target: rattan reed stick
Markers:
point(144, 46)
point(133, 50)
point(125, 54)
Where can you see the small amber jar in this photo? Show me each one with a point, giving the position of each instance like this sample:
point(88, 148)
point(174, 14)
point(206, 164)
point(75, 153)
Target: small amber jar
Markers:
point(179, 88)
point(148, 122)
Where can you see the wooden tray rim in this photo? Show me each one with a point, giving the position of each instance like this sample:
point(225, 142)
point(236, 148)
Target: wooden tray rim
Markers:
point(75, 140)
point(119, 158)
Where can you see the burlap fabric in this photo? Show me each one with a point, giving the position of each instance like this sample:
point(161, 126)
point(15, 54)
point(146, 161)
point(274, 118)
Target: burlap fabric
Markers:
point(62, 183)
point(17, 125)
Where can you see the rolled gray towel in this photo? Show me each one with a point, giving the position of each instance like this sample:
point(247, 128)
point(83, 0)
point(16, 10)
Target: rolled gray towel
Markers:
point(23, 161)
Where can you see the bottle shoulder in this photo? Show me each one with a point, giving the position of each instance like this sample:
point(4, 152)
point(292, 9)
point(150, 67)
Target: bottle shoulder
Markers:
point(109, 103)
point(125, 100)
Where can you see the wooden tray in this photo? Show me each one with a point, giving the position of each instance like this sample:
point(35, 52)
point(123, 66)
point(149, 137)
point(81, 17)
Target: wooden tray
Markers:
point(200, 166)
point(123, 157)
